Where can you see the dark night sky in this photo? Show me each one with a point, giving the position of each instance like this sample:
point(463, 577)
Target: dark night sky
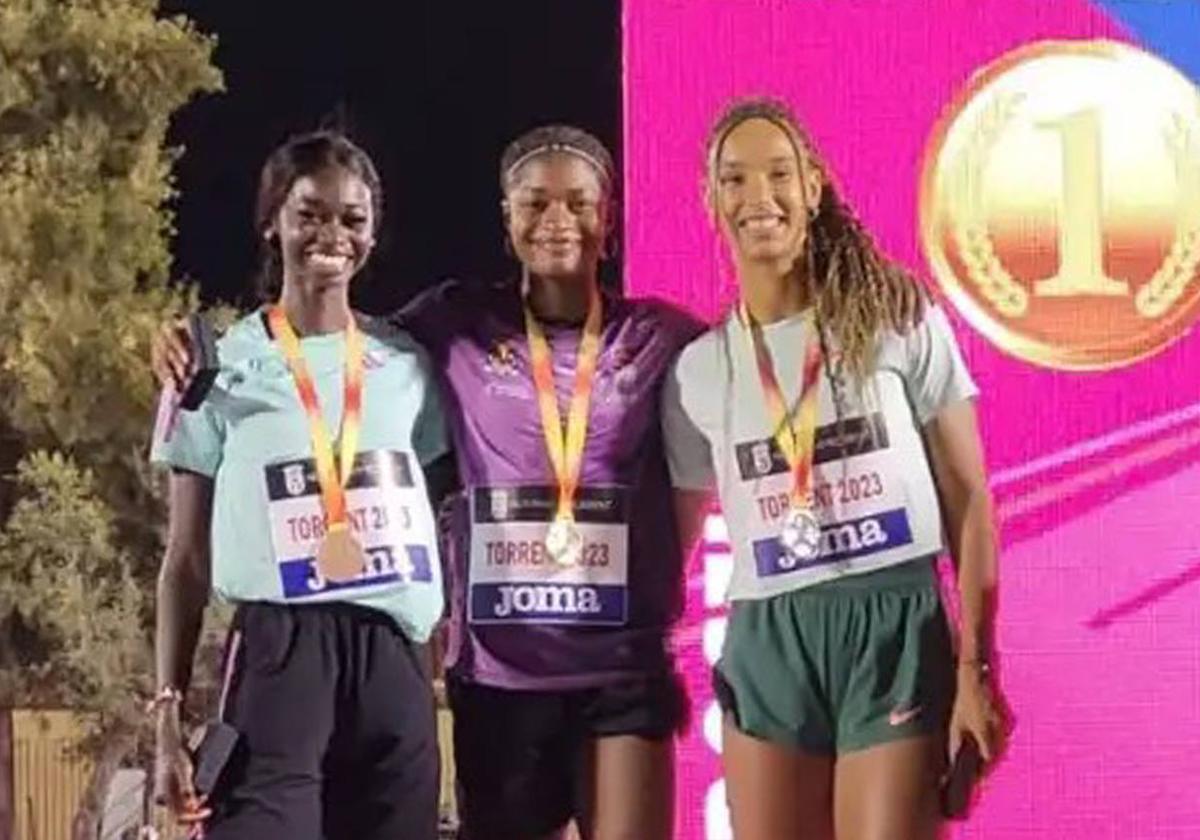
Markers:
point(432, 90)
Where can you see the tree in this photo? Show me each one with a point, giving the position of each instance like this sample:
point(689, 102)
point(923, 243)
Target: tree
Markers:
point(86, 91)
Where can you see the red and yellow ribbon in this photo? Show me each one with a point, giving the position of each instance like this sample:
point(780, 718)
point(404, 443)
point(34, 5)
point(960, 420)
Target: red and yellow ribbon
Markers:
point(332, 482)
point(565, 447)
point(795, 431)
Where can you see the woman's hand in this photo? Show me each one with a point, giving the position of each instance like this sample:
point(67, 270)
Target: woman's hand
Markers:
point(172, 354)
point(979, 713)
point(173, 786)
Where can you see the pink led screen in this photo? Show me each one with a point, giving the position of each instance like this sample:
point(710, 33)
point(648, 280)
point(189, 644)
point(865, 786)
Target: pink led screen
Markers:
point(1096, 475)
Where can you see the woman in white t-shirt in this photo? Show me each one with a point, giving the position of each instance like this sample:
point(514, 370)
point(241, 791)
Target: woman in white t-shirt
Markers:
point(842, 452)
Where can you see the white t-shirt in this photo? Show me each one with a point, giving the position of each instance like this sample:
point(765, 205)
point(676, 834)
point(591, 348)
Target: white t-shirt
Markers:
point(873, 488)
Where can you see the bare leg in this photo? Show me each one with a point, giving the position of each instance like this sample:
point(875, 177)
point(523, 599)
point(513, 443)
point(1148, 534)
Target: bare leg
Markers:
point(776, 792)
point(889, 792)
point(628, 789)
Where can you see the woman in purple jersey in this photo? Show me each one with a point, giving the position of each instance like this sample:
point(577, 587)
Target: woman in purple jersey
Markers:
point(564, 694)
point(563, 689)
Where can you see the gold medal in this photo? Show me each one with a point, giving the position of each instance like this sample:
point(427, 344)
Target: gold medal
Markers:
point(564, 542)
point(1060, 204)
point(340, 557)
point(564, 446)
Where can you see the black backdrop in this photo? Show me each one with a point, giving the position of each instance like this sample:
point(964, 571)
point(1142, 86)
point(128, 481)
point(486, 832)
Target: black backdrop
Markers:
point(432, 90)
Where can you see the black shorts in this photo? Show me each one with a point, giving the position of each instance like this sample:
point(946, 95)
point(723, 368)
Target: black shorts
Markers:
point(518, 754)
point(337, 737)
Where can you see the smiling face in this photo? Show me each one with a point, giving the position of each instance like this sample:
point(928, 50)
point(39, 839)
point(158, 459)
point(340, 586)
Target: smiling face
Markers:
point(556, 212)
point(763, 191)
point(325, 227)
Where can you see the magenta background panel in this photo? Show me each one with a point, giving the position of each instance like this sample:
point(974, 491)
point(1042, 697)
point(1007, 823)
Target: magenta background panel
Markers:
point(1097, 476)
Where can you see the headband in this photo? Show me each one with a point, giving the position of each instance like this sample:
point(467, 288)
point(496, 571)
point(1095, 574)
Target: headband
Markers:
point(565, 148)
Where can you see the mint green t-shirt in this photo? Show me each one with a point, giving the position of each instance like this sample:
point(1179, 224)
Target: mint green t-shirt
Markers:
point(251, 437)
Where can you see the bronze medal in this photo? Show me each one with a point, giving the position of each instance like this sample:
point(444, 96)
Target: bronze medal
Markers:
point(340, 557)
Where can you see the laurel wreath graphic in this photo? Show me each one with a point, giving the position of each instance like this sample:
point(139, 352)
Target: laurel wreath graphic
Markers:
point(975, 246)
point(1178, 270)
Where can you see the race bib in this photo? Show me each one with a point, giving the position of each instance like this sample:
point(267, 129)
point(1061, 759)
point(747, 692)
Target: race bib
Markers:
point(872, 507)
point(513, 579)
point(383, 504)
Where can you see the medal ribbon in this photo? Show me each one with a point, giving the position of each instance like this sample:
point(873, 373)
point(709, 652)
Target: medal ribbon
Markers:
point(566, 455)
point(796, 431)
point(333, 493)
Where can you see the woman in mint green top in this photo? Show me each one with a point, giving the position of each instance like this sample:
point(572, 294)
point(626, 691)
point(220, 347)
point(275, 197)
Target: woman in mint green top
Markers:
point(324, 686)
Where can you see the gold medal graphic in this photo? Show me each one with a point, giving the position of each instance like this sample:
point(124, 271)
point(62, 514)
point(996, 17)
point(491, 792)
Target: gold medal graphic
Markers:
point(1060, 204)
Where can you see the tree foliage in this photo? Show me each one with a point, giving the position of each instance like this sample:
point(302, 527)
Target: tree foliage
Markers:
point(87, 88)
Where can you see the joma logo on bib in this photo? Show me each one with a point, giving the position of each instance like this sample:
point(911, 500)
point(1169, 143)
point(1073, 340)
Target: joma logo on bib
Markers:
point(841, 541)
point(547, 599)
point(521, 602)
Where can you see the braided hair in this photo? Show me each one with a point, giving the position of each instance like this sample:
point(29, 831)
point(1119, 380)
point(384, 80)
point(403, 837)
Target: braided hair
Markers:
point(851, 283)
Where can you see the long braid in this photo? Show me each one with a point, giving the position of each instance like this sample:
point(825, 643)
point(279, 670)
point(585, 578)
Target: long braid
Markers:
point(833, 373)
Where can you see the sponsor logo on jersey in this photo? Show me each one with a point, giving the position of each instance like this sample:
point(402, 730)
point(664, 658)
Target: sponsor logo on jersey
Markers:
point(500, 359)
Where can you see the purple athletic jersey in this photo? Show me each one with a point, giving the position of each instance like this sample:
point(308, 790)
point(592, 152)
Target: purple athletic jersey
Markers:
point(518, 619)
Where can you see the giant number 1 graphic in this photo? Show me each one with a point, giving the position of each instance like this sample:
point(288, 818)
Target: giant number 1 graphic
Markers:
point(1081, 205)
